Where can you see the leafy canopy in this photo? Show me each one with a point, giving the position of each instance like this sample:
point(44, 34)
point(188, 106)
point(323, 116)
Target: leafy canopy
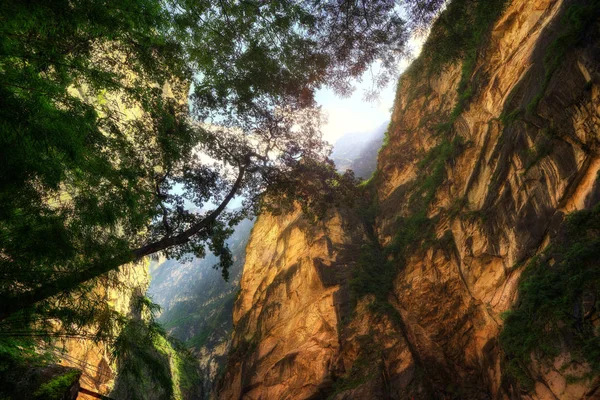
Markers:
point(126, 128)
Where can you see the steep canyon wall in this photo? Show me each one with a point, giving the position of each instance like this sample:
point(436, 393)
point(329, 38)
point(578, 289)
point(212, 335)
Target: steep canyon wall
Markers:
point(404, 295)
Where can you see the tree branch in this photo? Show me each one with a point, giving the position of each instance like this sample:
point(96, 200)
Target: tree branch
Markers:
point(12, 304)
point(185, 236)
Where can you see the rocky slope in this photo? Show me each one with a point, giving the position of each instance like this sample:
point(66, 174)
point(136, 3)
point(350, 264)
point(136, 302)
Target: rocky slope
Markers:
point(406, 295)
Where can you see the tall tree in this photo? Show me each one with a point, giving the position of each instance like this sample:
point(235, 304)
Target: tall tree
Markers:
point(102, 156)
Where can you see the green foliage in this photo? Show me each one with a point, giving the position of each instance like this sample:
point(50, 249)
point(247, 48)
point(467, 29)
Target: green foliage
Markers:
point(28, 368)
point(578, 18)
point(19, 350)
point(93, 147)
point(472, 31)
point(433, 171)
point(200, 339)
point(219, 317)
point(150, 361)
point(373, 274)
point(509, 118)
point(186, 375)
point(550, 315)
point(17, 355)
point(386, 138)
point(84, 314)
point(143, 364)
point(200, 308)
point(417, 226)
point(316, 187)
point(30, 340)
point(76, 189)
point(56, 388)
point(376, 266)
point(457, 35)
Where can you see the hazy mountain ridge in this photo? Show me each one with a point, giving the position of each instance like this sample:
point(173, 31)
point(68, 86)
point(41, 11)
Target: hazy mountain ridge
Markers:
point(358, 151)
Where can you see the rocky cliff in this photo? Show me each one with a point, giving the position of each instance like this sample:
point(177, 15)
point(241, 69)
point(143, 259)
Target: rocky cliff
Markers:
point(458, 275)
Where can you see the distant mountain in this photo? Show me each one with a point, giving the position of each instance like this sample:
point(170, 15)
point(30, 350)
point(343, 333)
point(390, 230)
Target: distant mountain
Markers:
point(188, 290)
point(358, 151)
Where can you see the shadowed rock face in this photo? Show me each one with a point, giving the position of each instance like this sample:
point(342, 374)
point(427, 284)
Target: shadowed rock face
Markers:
point(300, 332)
point(95, 359)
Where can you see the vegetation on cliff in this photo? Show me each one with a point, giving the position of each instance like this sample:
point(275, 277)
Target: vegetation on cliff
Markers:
point(457, 35)
point(152, 365)
point(56, 388)
point(558, 294)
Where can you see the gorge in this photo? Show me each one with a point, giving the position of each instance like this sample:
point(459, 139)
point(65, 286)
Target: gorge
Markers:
point(466, 264)
point(409, 294)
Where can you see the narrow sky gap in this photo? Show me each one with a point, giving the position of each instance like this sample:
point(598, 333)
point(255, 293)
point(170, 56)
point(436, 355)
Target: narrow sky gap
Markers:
point(356, 114)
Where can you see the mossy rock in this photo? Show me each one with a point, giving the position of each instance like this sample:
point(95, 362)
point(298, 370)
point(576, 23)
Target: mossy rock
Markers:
point(63, 384)
point(49, 382)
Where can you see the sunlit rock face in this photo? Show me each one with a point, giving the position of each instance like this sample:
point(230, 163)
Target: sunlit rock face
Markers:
point(287, 314)
point(298, 332)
